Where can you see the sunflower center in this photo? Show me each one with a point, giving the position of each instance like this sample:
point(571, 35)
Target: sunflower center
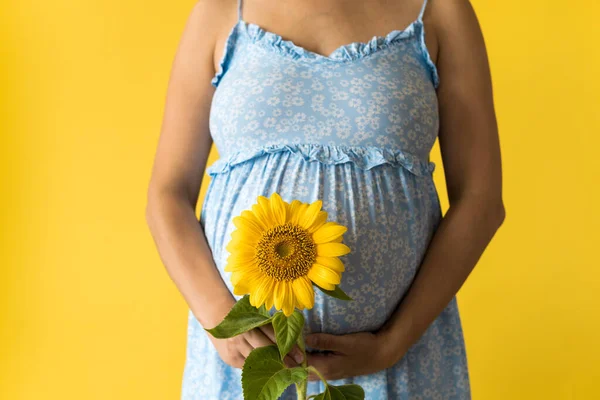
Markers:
point(286, 252)
point(284, 249)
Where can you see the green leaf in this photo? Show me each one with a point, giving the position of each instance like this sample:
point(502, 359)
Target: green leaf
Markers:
point(342, 392)
point(265, 377)
point(263, 310)
point(337, 292)
point(326, 395)
point(242, 317)
point(287, 330)
point(346, 392)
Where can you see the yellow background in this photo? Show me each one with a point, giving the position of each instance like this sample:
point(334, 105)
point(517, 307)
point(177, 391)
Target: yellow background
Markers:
point(87, 309)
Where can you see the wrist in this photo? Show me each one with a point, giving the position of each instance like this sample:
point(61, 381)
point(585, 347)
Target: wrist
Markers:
point(210, 314)
point(394, 343)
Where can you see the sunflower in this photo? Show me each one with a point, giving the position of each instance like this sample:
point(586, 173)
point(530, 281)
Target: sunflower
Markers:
point(280, 249)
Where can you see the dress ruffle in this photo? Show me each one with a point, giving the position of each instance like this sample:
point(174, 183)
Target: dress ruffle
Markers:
point(364, 157)
point(430, 64)
point(227, 53)
point(348, 52)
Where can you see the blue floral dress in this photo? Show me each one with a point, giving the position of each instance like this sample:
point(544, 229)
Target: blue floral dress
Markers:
point(354, 129)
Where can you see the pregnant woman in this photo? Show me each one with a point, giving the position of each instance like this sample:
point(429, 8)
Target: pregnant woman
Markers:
point(342, 101)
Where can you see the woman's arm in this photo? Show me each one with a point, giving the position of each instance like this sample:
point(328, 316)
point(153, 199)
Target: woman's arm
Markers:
point(179, 167)
point(470, 150)
point(471, 155)
point(174, 187)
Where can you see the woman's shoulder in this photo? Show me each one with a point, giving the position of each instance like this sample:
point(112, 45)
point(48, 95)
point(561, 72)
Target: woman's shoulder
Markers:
point(211, 21)
point(450, 17)
point(215, 10)
point(448, 21)
point(215, 16)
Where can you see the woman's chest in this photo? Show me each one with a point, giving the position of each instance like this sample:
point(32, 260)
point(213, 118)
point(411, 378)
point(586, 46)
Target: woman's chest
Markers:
point(384, 98)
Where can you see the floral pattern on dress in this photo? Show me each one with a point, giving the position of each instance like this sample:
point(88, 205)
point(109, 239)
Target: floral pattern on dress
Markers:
point(355, 130)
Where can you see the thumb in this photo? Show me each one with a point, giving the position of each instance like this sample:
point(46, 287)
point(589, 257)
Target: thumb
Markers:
point(325, 341)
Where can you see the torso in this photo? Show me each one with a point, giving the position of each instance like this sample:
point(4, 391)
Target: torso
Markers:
point(341, 106)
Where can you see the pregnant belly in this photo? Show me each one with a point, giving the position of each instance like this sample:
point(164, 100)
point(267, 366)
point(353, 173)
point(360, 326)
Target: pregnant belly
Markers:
point(391, 215)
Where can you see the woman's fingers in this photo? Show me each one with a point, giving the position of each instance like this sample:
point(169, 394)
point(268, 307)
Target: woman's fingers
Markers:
point(297, 354)
point(257, 338)
point(269, 332)
point(244, 347)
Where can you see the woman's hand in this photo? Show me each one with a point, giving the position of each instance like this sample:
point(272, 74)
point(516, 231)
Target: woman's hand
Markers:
point(353, 354)
point(233, 351)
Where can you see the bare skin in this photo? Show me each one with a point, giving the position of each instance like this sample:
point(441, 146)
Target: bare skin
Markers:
point(468, 141)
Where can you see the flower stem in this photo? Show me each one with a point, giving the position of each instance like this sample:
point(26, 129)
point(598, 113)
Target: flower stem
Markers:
point(316, 371)
point(301, 387)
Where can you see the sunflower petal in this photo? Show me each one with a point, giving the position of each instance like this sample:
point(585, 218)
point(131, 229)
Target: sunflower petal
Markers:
point(250, 276)
point(287, 210)
point(240, 290)
point(260, 292)
point(278, 209)
point(246, 224)
point(293, 208)
point(310, 214)
point(304, 292)
point(252, 217)
point(240, 258)
point(259, 213)
point(245, 235)
point(235, 277)
point(278, 294)
point(328, 232)
point(265, 204)
point(330, 275)
point(240, 246)
point(247, 267)
point(313, 275)
point(331, 262)
point(289, 299)
point(270, 294)
point(242, 254)
point(298, 212)
point(332, 249)
point(319, 221)
point(245, 286)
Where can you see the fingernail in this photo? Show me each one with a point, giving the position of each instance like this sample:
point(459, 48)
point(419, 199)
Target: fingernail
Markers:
point(298, 357)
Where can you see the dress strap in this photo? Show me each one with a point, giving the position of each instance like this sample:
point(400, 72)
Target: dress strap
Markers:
point(239, 10)
point(420, 18)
